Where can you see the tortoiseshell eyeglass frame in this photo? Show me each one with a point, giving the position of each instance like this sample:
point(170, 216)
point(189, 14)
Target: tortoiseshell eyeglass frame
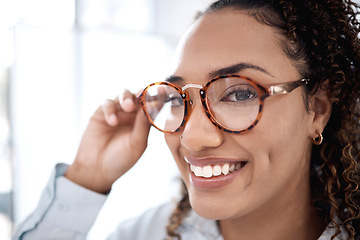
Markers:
point(264, 91)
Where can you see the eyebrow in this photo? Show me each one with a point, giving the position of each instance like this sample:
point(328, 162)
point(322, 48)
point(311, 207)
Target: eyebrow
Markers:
point(233, 69)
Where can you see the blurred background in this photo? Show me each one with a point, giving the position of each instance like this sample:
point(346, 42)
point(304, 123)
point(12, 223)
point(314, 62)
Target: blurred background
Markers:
point(59, 60)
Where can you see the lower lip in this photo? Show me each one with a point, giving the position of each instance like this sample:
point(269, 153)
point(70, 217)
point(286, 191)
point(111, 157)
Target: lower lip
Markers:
point(214, 182)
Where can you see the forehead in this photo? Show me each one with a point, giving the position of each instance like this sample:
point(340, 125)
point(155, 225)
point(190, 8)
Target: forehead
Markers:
point(223, 38)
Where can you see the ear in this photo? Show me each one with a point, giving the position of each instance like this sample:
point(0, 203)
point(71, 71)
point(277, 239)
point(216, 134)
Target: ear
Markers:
point(321, 107)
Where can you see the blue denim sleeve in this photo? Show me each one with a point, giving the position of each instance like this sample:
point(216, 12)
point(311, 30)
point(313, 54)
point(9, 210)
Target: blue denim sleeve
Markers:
point(65, 211)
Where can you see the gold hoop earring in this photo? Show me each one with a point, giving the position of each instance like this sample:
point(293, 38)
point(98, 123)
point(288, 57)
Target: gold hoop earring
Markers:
point(318, 140)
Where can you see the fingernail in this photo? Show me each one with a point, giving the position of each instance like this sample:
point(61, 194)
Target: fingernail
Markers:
point(112, 119)
point(128, 104)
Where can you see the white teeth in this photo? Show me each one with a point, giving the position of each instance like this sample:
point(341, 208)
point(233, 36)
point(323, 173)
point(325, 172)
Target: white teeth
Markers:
point(216, 171)
point(198, 171)
point(209, 171)
point(225, 169)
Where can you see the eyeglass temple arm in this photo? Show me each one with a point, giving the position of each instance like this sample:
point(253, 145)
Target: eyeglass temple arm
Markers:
point(287, 87)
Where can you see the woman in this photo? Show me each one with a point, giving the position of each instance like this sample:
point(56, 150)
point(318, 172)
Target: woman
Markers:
point(261, 114)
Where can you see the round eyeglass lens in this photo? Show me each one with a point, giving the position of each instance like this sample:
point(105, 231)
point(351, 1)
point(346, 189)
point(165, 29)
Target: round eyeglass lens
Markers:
point(164, 106)
point(233, 102)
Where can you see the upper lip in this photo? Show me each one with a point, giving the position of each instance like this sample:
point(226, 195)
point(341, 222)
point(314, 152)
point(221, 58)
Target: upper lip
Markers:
point(205, 161)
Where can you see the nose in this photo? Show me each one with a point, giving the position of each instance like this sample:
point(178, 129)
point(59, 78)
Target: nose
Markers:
point(199, 132)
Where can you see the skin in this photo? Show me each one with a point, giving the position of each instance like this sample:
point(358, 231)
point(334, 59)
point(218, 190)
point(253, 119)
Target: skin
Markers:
point(270, 198)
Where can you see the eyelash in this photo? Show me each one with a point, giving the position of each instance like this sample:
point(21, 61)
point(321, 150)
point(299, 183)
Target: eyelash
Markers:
point(242, 90)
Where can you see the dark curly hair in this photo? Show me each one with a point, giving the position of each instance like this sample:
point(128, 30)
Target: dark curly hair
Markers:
point(322, 39)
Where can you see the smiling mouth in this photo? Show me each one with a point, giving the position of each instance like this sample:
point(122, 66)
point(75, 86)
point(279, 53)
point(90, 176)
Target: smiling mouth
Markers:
point(216, 170)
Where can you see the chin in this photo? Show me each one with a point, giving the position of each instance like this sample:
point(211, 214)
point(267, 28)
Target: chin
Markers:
point(210, 207)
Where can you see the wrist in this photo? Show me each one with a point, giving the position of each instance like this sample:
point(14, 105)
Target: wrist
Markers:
point(88, 178)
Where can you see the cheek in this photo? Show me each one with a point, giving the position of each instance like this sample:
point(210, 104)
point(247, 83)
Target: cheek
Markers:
point(285, 129)
point(173, 143)
point(281, 138)
point(280, 153)
point(285, 119)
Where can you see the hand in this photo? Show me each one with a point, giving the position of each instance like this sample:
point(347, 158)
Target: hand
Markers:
point(113, 142)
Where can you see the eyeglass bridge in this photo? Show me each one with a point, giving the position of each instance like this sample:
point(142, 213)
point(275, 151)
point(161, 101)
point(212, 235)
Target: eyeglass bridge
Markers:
point(191, 85)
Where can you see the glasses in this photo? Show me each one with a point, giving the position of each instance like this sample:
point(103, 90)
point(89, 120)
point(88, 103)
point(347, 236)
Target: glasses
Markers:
point(233, 103)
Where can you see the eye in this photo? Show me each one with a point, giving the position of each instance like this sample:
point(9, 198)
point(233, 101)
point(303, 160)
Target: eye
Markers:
point(239, 94)
point(175, 100)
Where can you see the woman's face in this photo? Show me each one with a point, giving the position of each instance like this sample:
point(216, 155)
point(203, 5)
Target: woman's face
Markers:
point(274, 155)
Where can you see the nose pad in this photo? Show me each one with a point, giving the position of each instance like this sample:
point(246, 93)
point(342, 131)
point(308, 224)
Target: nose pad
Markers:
point(199, 132)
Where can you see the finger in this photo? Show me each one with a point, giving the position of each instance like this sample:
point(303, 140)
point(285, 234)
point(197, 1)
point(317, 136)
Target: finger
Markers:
point(141, 128)
point(128, 101)
point(110, 108)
